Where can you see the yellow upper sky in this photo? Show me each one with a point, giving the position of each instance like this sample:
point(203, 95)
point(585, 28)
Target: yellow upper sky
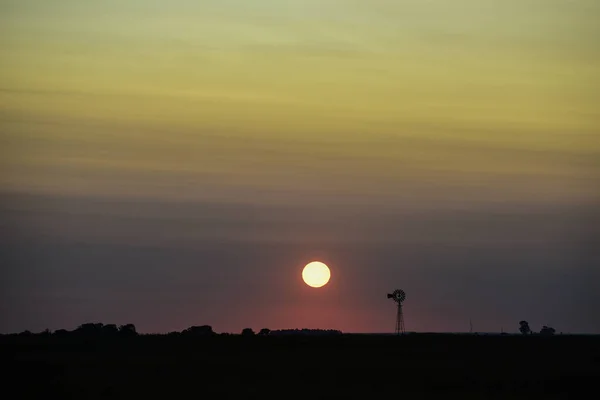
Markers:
point(160, 155)
point(334, 100)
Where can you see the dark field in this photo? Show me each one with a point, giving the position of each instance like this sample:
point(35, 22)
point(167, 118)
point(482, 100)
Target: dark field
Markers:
point(361, 367)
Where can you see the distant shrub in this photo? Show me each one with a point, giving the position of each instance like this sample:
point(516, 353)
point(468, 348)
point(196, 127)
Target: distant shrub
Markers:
point(204, 330)
point(547, 331)
point(308, 332)
point(524, 328)
point(247, 332)
point(127, 330)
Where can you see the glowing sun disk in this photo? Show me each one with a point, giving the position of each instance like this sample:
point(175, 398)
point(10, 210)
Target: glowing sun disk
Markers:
point(316, 274)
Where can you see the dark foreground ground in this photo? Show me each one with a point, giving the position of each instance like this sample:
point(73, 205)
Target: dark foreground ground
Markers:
point(350, 367)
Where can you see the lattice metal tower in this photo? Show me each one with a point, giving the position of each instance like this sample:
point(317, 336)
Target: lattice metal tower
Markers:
point(398, 296)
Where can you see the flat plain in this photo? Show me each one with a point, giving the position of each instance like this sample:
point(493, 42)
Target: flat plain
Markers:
point(344, 366)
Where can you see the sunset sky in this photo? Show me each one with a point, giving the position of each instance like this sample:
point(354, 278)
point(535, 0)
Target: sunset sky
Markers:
point(177, 163)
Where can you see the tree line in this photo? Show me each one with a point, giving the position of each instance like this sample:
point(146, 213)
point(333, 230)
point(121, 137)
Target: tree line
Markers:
point(129, 330)
point(526, 330)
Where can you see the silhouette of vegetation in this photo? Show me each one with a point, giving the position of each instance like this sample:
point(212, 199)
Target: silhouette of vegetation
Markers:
point(127, 330)
point(547, 331)
point(204, 330)
point(311, 332)
point(104, 361)
point(247, 332)
point(524, 328)
point(90, 329)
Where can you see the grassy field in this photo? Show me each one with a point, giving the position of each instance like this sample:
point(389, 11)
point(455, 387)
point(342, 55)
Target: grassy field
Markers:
point(347, 366)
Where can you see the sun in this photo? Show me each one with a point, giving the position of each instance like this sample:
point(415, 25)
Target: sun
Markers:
point(316, 274)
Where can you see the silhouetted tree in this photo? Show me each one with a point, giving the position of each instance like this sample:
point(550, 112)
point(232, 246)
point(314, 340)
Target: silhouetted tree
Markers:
point(306, 332)
point(248, 332)
point(547, 331)
point(110, 330)
point(89, 329)
point(127, 330)
point(264, 332)
point(204, 330)
point(61, 332)
point(524, 328)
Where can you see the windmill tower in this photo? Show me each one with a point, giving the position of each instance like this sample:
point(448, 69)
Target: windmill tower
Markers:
point(398, 296)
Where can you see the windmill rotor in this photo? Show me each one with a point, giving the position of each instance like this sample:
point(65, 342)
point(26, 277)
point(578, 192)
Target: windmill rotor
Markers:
point(397, 295)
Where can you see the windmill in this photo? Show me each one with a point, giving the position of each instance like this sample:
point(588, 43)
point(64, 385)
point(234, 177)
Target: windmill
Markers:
point(398, 296)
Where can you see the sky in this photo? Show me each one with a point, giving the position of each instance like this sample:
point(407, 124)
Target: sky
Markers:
point(177, 163)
